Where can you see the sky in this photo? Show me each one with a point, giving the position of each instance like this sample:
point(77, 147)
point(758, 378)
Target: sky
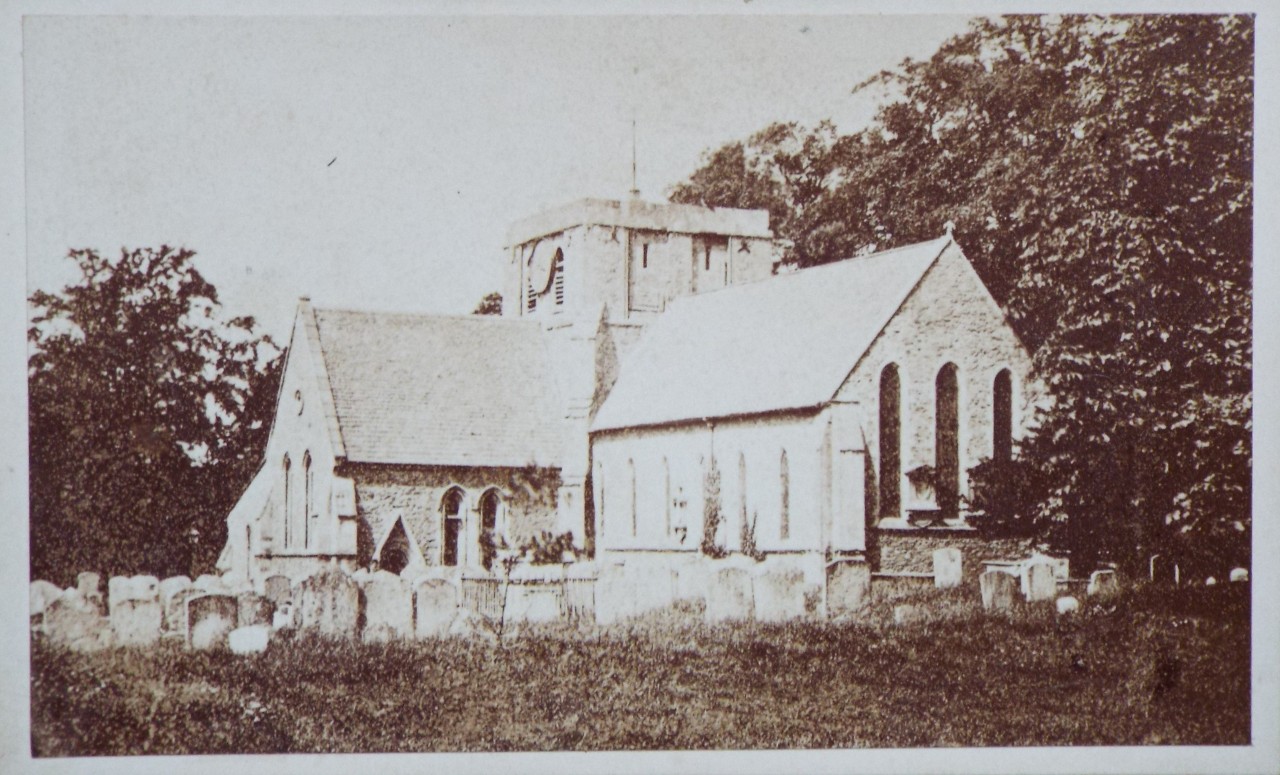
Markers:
point(376, 162)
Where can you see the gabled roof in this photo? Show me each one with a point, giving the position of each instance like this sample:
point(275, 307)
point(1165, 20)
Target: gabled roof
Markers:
point(441, 390)
point(784, 343)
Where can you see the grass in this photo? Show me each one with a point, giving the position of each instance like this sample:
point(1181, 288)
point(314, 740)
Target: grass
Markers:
point(1153, 667)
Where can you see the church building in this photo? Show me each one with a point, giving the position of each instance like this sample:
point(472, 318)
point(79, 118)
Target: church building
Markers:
point(657, 388)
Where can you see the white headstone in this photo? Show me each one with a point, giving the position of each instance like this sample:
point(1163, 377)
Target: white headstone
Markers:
point(779, 594)
point(388, 607)
point(1067, 605)
point(42, 594)
point(436, 604)
point(329, 603)
point(249, 640)
point(999, 590)
point(209, 619)
point(1041, 583)
point(135, 611)
point(947, 566)
point(729, 596)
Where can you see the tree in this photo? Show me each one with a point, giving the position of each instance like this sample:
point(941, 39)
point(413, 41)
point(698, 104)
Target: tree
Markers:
point(1098, 171)
point(491, 304)
point(148, 415)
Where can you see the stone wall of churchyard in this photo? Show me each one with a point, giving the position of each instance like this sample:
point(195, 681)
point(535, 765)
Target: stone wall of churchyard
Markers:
point(416, 494)
point(911, 550)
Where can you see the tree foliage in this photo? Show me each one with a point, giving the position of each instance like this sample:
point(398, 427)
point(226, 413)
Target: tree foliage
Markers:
point(148, 413)
point(1098, 171)
point(491, 304)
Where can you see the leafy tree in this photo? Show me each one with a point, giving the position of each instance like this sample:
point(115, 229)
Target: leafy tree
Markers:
point(491, 304)
point(1098, 171)
point(148, 413)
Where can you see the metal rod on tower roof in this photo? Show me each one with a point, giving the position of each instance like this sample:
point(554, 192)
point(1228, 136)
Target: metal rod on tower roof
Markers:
point(635, 190)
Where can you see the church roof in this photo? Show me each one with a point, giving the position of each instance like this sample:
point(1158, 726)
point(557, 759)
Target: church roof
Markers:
point(442, 390)
point(784, 343)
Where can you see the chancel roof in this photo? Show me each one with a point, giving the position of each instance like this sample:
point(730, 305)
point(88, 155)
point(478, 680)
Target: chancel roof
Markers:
point(784, 343)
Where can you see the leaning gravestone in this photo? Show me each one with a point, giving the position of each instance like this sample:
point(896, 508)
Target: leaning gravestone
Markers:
point(253, 609)
point(89, 585)
point(134, 605)
point(1041, 584)
point(329, 604)
point(779, 595)
point(209, 619)
point(947, 565)
point(1102, 583)
point(388, 607)
point(278, 589)
point(42, 594)
point(848, 584)
point(729, 596)
point(999, 590)
point(74, 622)
point(435, 604)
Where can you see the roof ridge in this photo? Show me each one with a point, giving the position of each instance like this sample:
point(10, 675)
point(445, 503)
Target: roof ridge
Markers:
point(486, 319)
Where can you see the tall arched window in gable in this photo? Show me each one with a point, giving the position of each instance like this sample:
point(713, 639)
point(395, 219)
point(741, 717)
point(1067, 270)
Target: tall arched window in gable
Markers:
point(1002, 417)
point(947, 440)
point(631, 476)
point(451, 529)
point(890, 442)
point(784, 474)
point(308, 501)
point(557, 269)
point(288, 503)
point(489, 504)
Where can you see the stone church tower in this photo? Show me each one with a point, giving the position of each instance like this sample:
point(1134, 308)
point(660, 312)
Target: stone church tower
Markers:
point(595, 272)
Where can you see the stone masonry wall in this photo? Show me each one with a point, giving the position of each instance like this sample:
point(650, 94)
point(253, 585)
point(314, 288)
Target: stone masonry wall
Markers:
point(911, 551)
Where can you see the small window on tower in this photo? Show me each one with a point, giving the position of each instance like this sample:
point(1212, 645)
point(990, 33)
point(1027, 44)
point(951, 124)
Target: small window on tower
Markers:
point(706, 258)
point(644, 256)
point(558, 283)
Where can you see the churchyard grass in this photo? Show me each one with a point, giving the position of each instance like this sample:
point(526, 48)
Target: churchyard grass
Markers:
point(1148, 667)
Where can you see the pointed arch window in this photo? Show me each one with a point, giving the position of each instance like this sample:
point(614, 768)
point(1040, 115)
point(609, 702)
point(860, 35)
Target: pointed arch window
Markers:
point(451, 527)
point(1002, 417)
point(947, 440)
point(890, 442)
point(288, 502)
point(490, 502)
point(308, 498)
point(784, 476)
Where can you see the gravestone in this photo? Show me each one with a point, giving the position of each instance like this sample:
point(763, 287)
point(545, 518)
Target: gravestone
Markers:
point(135, 611)
point(253, 609)
point(329, 604)
point(209, 584)
point(692, 579)
point(42, 594)
point(175, 609)
point(779, 595)
point(947, 565)
point(89, 585)
point(1068, 605)
point(907, 614)
point(999, 590)
point(388, 607)
point(209, 619)
point(1041, 584)
point(285, 616)
point(72, 621)
point(252, 639)
point(1102, 583)
point(278, 589)
point(848, 584)
point(535, 602)
point(729, 596)
point(435, 605)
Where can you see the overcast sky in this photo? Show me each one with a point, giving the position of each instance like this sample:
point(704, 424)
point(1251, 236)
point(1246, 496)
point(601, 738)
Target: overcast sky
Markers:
point(376, 163)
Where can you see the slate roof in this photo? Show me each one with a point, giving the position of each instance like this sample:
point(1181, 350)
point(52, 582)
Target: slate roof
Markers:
point(784, 343)
point(442, 390)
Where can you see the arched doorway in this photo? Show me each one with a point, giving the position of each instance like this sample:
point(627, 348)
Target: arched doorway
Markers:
point(489, 505)
point(394, 556)
point(451, 529)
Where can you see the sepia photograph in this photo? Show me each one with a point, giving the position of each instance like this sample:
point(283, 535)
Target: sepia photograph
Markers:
point(662, 390)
